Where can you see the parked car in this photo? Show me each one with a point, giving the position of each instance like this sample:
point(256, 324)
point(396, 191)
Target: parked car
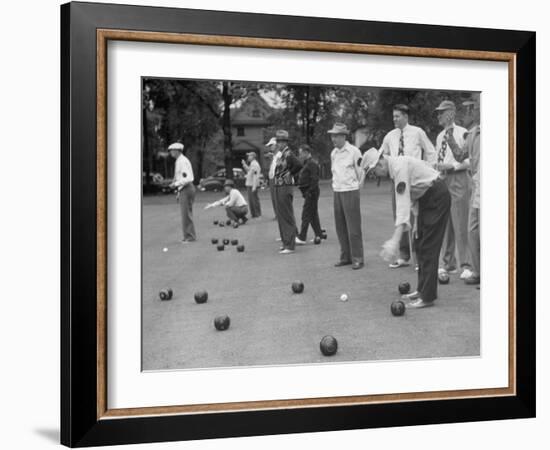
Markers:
point(215, 182)
point(157, 183)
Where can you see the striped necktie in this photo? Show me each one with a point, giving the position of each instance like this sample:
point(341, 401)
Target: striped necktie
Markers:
point(401, 150)
point(443, 149)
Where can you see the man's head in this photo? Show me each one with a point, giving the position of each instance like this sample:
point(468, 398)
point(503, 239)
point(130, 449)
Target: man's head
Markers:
point(381, 169)
point(228, 185)
point(374, 161)
point(338, 134)
point(471, 113)
point(251, 156)
point(304, 152)
point(281, 138)
point(175, 149)
point(400, 115)
point(446, 113)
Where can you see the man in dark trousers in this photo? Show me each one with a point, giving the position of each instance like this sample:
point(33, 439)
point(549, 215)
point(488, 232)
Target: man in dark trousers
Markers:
point(308, 183)
point(286, 168)
point(419, 188)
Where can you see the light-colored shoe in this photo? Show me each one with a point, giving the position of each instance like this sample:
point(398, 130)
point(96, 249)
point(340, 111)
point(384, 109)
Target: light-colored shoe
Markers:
point(418, 303)
point(441, 270)
point(399, 263)
point(300, 242)
point(411, 296)
point(286, 251)
point(466, 273)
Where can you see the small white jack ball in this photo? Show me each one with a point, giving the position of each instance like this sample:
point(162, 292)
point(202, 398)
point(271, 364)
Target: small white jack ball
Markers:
point(344, 297)
point(165, 249)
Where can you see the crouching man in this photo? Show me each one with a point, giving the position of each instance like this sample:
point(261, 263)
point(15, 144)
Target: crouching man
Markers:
point(236, 207)
point(417, 188)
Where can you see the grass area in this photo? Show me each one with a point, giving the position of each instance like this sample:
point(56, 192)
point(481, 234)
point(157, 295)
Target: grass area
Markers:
point(270, 324)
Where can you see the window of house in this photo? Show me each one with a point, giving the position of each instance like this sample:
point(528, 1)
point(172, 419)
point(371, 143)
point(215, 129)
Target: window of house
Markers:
point(256, 113)
point(240, 131)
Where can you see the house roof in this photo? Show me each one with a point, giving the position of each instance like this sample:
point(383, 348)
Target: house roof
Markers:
point(253, 111)
point(244, 145)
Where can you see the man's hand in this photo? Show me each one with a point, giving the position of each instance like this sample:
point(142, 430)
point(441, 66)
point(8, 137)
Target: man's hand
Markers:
point(210, 205)
point(443, 166)
point(390, 250)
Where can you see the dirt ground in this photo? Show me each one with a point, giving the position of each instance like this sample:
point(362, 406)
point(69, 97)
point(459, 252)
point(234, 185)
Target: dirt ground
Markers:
point(271, 325)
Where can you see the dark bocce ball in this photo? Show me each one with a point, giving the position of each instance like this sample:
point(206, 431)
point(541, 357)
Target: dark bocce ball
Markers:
point(234, 241)
point(297, 287)
point(201, 296)
point(214, 241)
point(216, 222)
point(317, 240)
point(226, 242)
point(228, 222)
point(221, 323)
point(398, 308)
point(220, 248)
point(221, 224)
point(166, 294)
point(240, 248)
point(443, 278)
point(404, 288)
point(328, 345)
point(235, 225)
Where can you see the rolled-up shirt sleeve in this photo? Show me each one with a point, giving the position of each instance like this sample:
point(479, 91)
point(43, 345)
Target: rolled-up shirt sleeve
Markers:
point(403, 203)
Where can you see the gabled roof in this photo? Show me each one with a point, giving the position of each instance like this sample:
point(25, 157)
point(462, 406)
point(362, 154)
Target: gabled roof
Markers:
point(253, 111)
point(243, 144)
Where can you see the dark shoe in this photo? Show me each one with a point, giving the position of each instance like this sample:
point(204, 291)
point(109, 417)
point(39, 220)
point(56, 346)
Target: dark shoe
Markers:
point(473, 280)
point(342, 263)
point(244, 220)
point(357, 265)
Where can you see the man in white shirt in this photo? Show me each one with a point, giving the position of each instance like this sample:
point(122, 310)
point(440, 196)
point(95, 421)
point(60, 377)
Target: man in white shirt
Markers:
point(347, 177)
point(406, 140)
point(275, 154)
point(252, 183)
point(183, 183)
point(417, 188)
point(235, 205)
point(458, 181)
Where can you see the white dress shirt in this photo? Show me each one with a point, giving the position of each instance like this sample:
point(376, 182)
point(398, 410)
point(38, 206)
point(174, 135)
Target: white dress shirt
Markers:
point(234, 198)
point(183, 166)
point(446, 153)
point(415, 141)
point(252, 173)
point(417, 177)
point(276, 157)
point(347, 174)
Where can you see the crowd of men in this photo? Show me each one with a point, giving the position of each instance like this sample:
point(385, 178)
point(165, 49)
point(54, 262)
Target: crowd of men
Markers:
point(434, 195)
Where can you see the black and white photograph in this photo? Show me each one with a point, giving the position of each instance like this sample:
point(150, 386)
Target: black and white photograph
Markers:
point(292, 223)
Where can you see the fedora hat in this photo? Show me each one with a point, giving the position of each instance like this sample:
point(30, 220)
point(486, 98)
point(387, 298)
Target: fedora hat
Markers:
point(338, 128)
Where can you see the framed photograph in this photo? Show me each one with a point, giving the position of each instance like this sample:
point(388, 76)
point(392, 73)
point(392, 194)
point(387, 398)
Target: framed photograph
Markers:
point(277, 224)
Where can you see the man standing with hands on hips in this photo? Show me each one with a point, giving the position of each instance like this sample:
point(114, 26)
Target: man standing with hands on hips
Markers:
point(183, 183)
point(417, 187)
point(347, 177)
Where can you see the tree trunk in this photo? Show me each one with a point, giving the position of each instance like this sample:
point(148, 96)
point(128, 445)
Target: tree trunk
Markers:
point(146, 157)
point(307, 117)
point(226, 126)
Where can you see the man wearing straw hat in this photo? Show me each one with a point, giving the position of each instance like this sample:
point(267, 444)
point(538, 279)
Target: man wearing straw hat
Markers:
point(183, 184)
point(417, 188)
point(347, 177)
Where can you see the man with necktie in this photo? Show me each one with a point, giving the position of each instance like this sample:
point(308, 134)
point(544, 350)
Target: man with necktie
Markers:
point(406, 140)
point(458, 181)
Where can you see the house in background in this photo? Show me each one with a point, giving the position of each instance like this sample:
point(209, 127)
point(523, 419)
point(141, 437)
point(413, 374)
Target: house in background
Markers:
point(248, 124)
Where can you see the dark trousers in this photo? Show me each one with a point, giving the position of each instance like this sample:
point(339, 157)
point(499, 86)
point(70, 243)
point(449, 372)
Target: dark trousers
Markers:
point(310, 214)
point(347, 218)
point(273, 202)
point(433, 214)
point(236, 212)
point(254, 202)
point(186, 199)
point(285, 215)
point(404, 247)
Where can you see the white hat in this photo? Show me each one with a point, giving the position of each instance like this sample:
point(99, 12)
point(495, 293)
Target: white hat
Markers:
point(271, 142)
point(370, 159)
point(176, 146)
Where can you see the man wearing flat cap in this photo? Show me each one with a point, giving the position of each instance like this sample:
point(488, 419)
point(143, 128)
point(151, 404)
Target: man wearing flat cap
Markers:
point(406, 140)
point(286, 168)
point(235, 204)
point(252, 183)
point(183, 184)
point(455, 173)
point(417, 188)
point(347, 177)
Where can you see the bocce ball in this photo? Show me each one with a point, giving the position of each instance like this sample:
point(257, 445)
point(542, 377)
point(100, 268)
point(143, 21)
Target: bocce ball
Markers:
point(240, 248)
point(228, 222)
point(214, 241)
point(234, 241)
point(201, 296)
point(166, 294)
point(404, 288)
point(216, 222)
point(235, 225)
point(221, 323)
point(344, 297)
point(165, 249)
point(443, 278)
point(398, 308)
point(220, 247)
point(328, 345)
point(221, 224)
point(317, 240)
point(297, 287)
point(226, 242)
